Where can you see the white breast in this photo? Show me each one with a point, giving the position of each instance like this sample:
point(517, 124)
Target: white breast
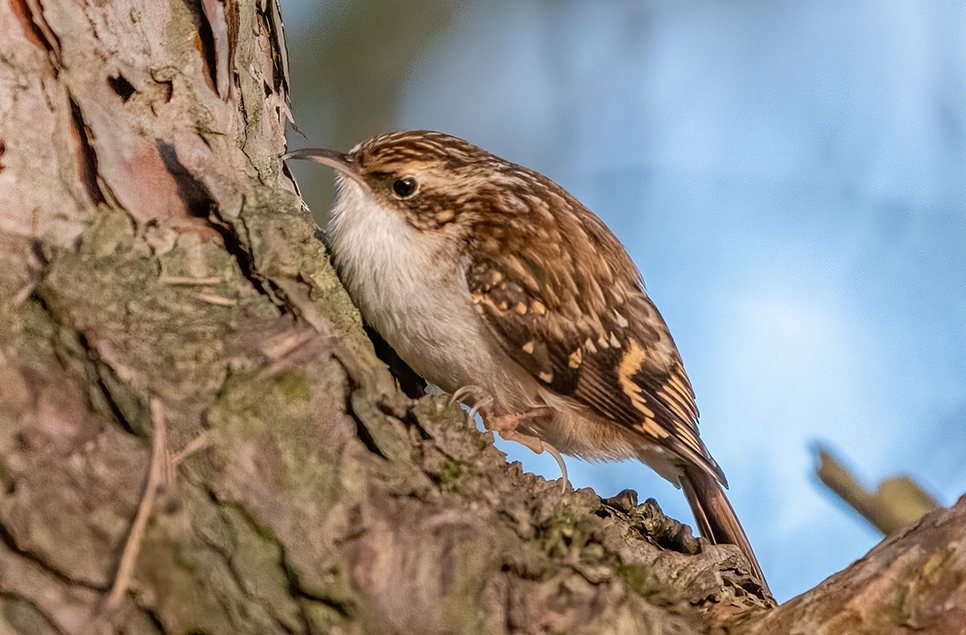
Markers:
point(411, 287)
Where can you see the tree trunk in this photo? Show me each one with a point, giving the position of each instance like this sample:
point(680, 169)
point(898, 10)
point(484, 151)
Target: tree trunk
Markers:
point(161, 288)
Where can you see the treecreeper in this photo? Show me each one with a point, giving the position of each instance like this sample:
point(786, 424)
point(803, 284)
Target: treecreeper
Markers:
point(495, 284)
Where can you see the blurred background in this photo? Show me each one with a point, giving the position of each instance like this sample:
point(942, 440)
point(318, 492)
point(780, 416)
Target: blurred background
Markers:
point(790, 177)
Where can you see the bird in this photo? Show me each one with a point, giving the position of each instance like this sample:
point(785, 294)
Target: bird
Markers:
point(496, 285)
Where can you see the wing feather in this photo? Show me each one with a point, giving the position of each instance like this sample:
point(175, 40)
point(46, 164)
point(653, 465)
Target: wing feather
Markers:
point(567, 303)
point(623, 372)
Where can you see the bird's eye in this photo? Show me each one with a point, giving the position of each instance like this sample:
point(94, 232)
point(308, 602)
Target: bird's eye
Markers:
point(405, 187)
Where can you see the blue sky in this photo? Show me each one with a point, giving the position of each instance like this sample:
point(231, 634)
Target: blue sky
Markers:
point(790, 177)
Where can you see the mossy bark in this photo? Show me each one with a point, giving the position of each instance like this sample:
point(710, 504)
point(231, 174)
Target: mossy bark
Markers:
point(153, 248)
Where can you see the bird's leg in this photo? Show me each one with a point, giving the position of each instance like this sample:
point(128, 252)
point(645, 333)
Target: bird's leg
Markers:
point(506, 427)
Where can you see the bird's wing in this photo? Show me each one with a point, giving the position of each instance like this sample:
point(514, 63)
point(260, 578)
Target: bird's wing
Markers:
point(583, 326)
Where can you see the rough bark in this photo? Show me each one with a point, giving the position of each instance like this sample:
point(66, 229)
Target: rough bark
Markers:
point(913, 582)
point(154, 252)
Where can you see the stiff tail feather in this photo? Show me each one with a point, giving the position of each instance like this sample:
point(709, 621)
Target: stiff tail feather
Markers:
point(716, 518)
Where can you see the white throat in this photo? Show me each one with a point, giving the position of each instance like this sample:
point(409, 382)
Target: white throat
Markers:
point(383, 260)
point(409, 285)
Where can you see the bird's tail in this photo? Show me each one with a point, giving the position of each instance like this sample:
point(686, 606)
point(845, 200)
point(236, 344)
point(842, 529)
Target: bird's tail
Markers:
point(716, 519)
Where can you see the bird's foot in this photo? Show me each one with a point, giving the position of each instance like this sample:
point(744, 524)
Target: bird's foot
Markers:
point(506, 427)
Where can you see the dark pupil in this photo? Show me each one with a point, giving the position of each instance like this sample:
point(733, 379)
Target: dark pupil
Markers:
point(404, 187)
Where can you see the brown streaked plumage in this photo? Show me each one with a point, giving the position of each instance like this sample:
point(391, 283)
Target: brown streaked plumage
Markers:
point(492, 281)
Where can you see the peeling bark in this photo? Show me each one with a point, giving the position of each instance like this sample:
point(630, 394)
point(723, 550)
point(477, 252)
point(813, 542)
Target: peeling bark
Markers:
point(153, 247)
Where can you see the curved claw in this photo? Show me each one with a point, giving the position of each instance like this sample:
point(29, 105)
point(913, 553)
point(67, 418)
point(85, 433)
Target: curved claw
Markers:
point(482, 403)
point(552, 451)
point(459, 393)
point(507, 430)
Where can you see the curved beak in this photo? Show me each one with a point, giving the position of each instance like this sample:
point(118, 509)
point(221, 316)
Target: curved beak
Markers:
point(338, 160)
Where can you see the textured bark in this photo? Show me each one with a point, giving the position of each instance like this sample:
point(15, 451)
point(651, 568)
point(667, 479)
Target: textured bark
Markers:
point(913, 582)
point(153, 249)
